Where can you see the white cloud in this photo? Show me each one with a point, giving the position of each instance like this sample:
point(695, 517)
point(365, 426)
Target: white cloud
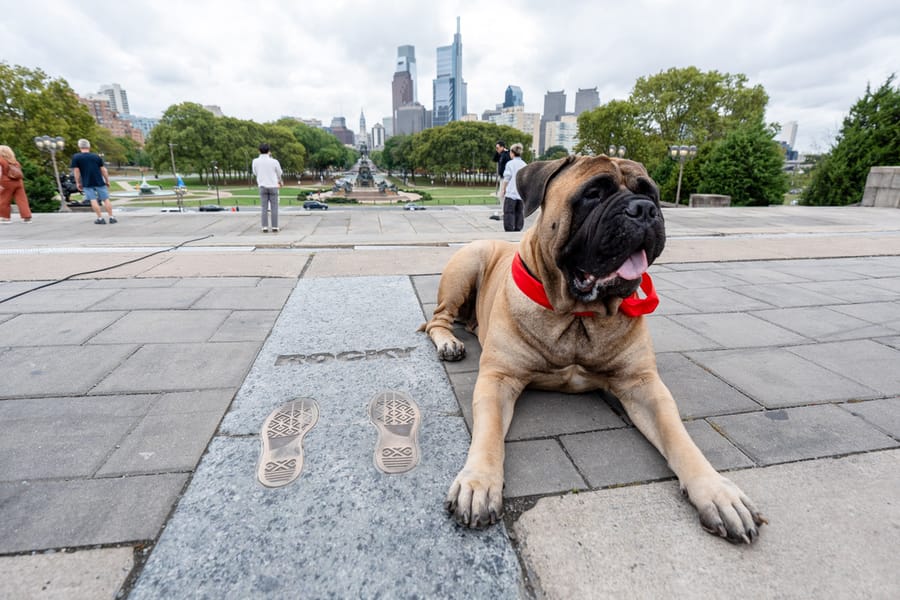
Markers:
point(323, 59)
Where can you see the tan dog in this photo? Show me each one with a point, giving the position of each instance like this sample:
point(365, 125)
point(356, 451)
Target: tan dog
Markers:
point(562, 313)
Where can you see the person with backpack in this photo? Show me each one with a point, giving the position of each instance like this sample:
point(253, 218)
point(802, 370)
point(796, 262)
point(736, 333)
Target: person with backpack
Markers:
point(12, 186)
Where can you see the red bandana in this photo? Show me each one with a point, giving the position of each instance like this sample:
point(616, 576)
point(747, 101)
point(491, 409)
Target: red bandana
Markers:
point(632, 306)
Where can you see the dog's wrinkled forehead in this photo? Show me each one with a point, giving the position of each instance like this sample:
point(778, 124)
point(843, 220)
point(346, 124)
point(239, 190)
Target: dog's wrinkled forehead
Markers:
point(557, 180)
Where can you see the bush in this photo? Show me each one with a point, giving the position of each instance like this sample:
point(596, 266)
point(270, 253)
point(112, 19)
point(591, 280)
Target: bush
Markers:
point(40, 188)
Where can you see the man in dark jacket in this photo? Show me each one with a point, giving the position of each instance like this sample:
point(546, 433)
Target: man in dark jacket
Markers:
point(501, 157)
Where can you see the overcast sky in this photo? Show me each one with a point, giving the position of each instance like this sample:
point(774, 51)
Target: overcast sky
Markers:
point(261, 60)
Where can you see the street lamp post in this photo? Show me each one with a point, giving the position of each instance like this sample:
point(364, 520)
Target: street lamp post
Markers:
point(172, 157)
point(215, 166)
point(616, 151)
point(54, 145)
point(681, 154)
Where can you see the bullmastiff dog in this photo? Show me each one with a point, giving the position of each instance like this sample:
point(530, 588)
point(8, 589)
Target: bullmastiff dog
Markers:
point(561, 311)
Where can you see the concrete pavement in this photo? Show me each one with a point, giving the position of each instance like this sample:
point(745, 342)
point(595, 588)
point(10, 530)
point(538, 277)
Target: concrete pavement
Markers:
point(132, 401)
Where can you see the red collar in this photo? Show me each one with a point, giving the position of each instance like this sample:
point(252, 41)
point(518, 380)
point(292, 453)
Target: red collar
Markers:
point(632, 306)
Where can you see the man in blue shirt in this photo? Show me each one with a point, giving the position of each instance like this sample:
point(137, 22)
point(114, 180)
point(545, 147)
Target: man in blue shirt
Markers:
point(92, 180)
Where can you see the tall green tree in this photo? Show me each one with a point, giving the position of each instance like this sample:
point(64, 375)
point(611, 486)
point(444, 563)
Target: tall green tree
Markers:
point(618, 122)
point(34, 104)
point(746, 165)
point(869, 137)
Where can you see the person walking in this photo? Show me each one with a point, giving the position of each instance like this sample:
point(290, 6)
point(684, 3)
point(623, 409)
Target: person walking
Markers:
point(12, 186)
point(501, 157)
point(92, 180)
point(269, 178)
point(513, 206)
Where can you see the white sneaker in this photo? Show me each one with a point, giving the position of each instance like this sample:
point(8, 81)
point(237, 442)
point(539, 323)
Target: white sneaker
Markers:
point(265, 230)
point(275, 230)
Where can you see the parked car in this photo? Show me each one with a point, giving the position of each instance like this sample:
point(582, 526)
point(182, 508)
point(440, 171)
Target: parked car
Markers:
point(413, 206)
point(315, 205)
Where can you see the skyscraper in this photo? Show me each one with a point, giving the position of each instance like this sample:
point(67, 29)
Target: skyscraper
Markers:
point(586, 99)
point(406, 63)
point(513, 97)
point(449, 89)
point(554, 108)
point(362, 124)
point(118, 99)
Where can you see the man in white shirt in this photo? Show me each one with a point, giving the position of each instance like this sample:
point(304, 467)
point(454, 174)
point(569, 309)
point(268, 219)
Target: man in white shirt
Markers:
point(269, 178)
point(513, 207)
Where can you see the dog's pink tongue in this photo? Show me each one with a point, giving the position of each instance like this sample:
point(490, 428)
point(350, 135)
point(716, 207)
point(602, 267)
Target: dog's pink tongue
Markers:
point(634, 266)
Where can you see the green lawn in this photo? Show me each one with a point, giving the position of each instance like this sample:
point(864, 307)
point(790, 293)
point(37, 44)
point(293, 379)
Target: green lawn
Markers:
point(242, 195)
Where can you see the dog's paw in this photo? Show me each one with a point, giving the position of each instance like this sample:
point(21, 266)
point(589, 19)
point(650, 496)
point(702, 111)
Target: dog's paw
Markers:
point(452, 350)
point(725, 510)
point(475, 500)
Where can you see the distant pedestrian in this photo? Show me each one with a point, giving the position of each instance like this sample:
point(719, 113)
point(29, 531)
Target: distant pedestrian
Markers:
point(12, 186)
point(513, 207)
point(501, 157)
point(269, 178)
point(92, 180)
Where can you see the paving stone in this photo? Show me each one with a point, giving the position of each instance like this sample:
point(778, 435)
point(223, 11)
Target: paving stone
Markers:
point(833, 528)
point(776, 377)
point(665, 280)
point(246, 326)
point(163, 443)
point(720, 453)
point(669, 336)
point(277, 282)
point(218, 282)
point(883, 414)
point(817, 270)
point(872, 364)
point(540, 413)
point(538, 467)
point(39, 515)
point(716, 300)
point(194, 401)
point(615, 457)
point(84, 574)
point(162, 326)
point(132, 282)
point(822, 323)
point(892, 284)
point(55, 299)
point(426, 288)
point(698, 392)
point(54, 328)
point(183, 366)
point(893, 342)
point(47, 370)
point(245, 298)
point(738, 330)
point(763, 276)
point(700, 279)
point(851, 291)
point(63, 437)
point(149, 298)
point(882, 313)
point(784, 295)
point(800, 433)
point(873, 266)
point(670, 306)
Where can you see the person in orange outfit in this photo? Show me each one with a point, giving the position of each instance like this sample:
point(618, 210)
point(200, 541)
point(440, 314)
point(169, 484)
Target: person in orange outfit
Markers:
point(12, 186)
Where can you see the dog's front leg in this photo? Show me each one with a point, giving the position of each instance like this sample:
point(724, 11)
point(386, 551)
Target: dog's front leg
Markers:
point(724, 509)
point(475, 498)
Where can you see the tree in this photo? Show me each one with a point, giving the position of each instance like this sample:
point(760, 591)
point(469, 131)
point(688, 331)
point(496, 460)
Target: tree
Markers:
point(746, 165)
point(554, 152)
point(869, 137)
point(693, 107)
point(32, 104)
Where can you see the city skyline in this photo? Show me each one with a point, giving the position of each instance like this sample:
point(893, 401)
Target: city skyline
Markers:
point(322, 60)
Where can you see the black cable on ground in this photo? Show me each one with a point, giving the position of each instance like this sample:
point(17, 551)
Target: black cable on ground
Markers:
point(122, 264)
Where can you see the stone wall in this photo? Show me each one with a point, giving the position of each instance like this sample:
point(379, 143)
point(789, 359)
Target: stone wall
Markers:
point(709, 200)
point(882, 187)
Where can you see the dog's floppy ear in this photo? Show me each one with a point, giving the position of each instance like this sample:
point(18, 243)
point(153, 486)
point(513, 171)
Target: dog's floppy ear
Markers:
point(532, 180)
